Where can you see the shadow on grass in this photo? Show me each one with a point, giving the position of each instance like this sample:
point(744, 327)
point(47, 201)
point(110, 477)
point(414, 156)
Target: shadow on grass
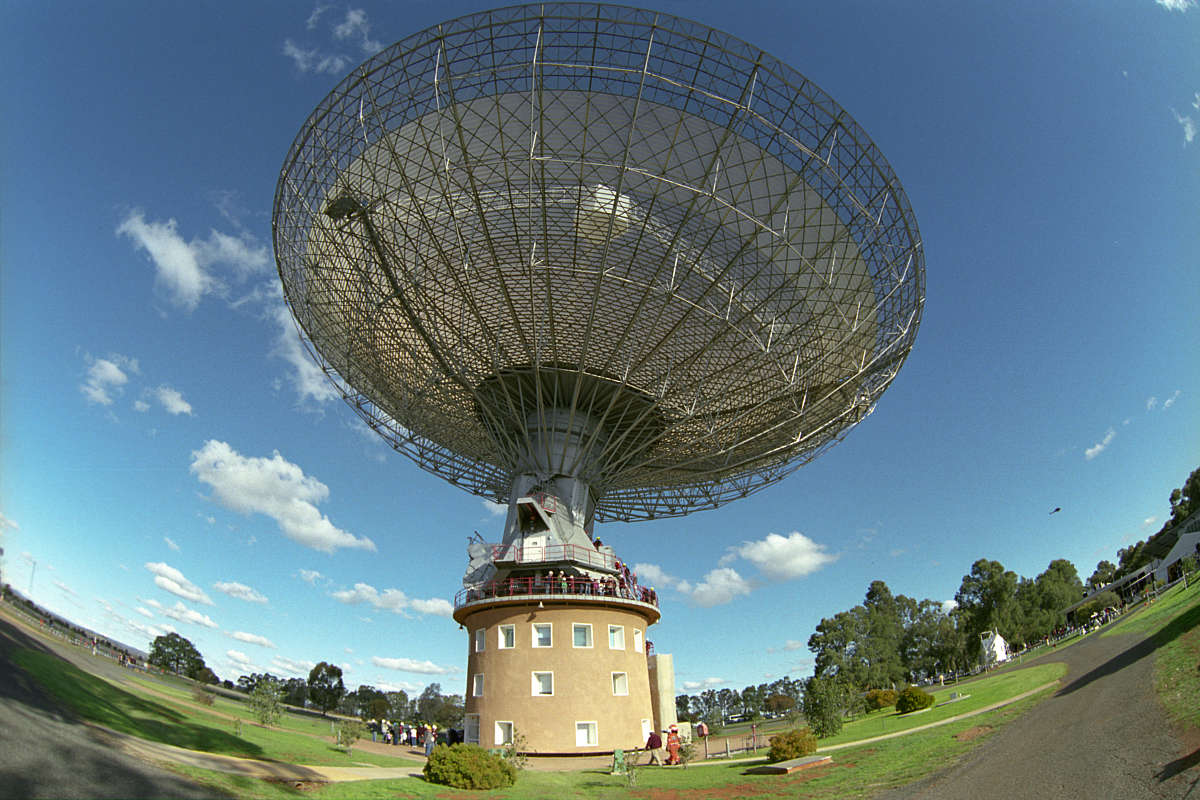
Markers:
point(98, 701)
point(1139, 650)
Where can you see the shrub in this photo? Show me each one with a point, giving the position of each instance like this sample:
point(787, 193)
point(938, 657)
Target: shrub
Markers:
point(880, 698)
point(792, 744)
point(912, 698)
point(202, 697)
point(265, 701)
point(349, 731)
point(468, 766)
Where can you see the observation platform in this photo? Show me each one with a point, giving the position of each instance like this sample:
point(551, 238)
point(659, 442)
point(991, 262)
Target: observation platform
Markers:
point(556, 591)
point(515, 555)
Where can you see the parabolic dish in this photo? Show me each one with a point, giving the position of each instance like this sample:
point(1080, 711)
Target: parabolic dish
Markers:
point(601, 241)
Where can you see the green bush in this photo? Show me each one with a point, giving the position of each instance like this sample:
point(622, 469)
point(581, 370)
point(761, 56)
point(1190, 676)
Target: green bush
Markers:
point(825, 701)
point(912, 698)
point(468, 766)
point(880, 698)
point(795, 743)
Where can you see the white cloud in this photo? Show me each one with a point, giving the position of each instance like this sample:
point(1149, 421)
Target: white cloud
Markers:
point(141, 406)
point(1170, 401)
point(314, 60)
point(67, 590)
point(315, 16)
point(310, 575)
point(707, 683)
point(653, 575)
point(145, 612)
point(105, 377)
point(240, 591)
point(1148, 521)
point(1151, 402)
point(172, 401)
point(411, 665)
point(307, 378)
point(184, 614)
point(171, 543)
point(276, 488)
point(170, 579)
point(356, 26)
point(1176, 5)
point(185, 269)
point(718, 587)
point(782, 558)
point(793, 644)
point(239, 660)
point(287, 665)
point(493, 508)
point(5, 522)
point(393, 600)
point(949, 605)
point(1188, 124)
point(1100, 446)
point(252, 638)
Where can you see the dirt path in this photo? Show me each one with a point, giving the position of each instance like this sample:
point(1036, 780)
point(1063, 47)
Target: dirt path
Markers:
point(1102, 735)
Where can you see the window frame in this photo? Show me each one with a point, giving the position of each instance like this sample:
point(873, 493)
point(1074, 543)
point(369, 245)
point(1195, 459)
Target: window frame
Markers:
point(477, 684)
point(534, 629)
point(535, 685)
point(500, 629)
point(619, 629)
point(499, 740)
point(480, 640)
point(467, 718)
point(625, 676)
point(576, 626)
point(638, 645)
point(593, 728)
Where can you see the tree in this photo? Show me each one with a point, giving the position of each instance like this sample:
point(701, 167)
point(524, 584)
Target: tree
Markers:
point(325, 687)
point(295, 692)
point(174, 653)
point(400, 706)
point(987, 599)
point(265, 701)
point(1103, 575)
point(825, 700)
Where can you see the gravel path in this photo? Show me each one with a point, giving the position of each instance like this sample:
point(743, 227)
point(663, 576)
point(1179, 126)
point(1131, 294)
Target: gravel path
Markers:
point(1102, 735)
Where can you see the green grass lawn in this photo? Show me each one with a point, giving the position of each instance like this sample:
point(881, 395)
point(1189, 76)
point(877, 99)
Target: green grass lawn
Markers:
point(1177, 664)
point(169, 722)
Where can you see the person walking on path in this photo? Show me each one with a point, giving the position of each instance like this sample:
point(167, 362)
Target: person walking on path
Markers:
point(673, 745)
point(654, 745)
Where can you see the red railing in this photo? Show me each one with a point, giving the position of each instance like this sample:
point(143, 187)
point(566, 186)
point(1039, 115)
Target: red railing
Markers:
point(588, 556)
point(556, 586)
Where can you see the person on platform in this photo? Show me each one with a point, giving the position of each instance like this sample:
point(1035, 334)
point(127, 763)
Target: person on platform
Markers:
point(654, 745)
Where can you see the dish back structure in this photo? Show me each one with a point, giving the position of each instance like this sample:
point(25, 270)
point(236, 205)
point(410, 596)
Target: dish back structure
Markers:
point(597, 247)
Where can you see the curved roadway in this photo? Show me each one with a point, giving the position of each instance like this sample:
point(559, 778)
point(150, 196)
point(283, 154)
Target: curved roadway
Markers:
point(1102, 735)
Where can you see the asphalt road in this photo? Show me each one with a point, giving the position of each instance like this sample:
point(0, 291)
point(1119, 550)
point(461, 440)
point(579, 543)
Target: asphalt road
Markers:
point(1102, 735)
point(46, 753)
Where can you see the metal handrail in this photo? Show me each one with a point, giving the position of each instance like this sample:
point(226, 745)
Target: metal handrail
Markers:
point(540, 585)
point(527, 554)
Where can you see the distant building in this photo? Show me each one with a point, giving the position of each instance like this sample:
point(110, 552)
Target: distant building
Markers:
point(993, 649)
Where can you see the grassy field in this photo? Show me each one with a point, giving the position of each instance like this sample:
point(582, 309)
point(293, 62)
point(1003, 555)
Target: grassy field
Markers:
point(1175, 622)
point(183, 725)
point(856, 772)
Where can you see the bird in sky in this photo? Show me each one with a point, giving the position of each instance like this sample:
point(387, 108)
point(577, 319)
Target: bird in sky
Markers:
point(1056, 510)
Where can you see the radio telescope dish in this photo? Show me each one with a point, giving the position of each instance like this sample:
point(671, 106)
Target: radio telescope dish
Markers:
point(597, 246)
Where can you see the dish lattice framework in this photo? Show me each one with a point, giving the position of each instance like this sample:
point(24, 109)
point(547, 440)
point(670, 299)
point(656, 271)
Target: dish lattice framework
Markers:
point(602, 219)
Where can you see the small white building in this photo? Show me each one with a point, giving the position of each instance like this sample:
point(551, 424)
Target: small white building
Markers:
point(993, 649)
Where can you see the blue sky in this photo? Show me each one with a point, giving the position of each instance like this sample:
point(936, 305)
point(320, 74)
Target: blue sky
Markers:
point(170, 459)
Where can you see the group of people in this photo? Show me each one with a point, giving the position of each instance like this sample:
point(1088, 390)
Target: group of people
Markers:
point(623, 584)
point(654, 745)
point(400, 733)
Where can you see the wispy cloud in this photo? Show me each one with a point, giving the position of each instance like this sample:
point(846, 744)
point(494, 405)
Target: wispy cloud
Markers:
point(393, 600)
point(106, 377)
point(276, 488)
point(184, 614)
point(171, 543)
point(1151, 403)
point(707, 683)
point(1170, 401)
point(186, 270)
point(1188, 124)
point(170, 579)
point(252, 638)
point(310, 576)
point(306, 377)
point(1176, 5)
point(240, 591)
point(292, 667)
point(412, 665)
point(494, 509)
point(1100, 446)
point(5, 522)
point(355, 27)
point(172, 400)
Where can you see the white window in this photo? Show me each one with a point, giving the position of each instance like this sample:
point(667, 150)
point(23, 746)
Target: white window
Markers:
point(543, 684)
point(637, 640)
point(480, 639)
point(504, 733)
point(581, 634)
point(542, 634)
point(585, 734)
point(508, 637)
point(616, 637)
point(620, 681)
point(477, 685)
point(471, 732)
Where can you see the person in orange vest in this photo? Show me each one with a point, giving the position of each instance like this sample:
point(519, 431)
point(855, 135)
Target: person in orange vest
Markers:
point(673, 745)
